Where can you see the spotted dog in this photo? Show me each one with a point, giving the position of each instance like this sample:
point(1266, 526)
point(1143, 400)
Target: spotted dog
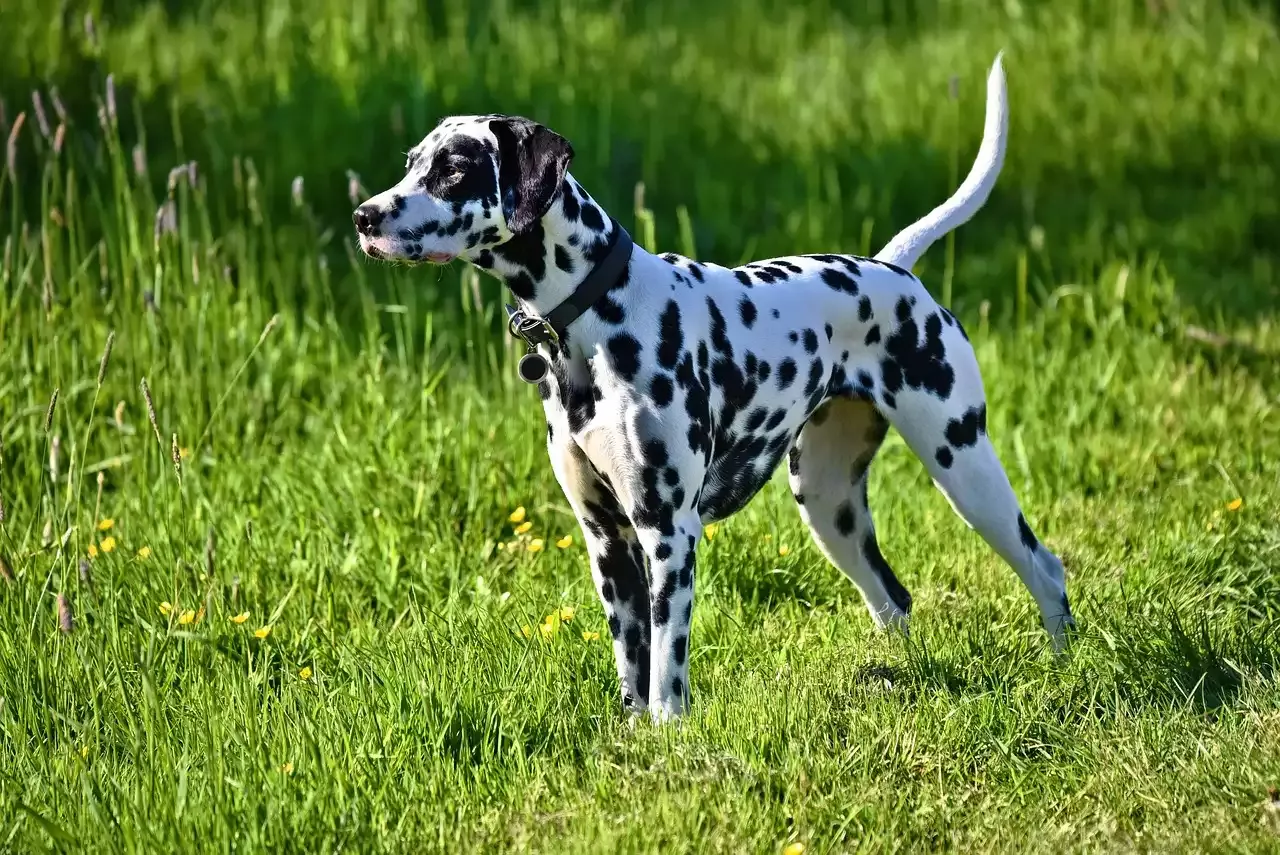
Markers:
point(673, 388)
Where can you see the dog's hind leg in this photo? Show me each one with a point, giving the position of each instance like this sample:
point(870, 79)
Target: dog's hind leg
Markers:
point(948, 432)
point(828, 467)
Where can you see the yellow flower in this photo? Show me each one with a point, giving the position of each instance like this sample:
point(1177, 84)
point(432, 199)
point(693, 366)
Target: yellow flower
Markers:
point(262, 632)
point(565, 542)
point(93, 551)
point(794, 849)
point(784, 550)
point(548, 629)
point(566, 613)
point(186, 617)
point(84, 752)
point(287, 768)
point(144, 553)
point(305, 673)
point(517, 515)
point(1235, 504)
point(590, 636)
point(526, 631)
point(710, 531)
point(105, 525)
point(184, 453)
point(108, 544)
point(768, 537)
point(166, 607)
point(535, 545)
point(240, 618)
point(524, 526)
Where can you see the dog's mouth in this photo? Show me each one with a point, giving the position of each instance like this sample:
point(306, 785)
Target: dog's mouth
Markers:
point(392, 251)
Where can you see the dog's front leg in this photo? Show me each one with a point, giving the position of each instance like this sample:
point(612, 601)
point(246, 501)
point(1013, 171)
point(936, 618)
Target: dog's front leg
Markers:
point(670, 546)
point(617, 568)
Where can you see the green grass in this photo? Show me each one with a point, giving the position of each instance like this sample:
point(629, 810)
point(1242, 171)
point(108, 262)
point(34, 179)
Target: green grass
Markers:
point(355, 439)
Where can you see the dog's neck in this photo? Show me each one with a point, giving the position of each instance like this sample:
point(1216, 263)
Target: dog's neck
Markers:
point(550, 261)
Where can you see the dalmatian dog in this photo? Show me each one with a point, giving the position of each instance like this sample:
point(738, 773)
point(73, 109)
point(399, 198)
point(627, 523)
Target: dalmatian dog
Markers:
point(673, 388)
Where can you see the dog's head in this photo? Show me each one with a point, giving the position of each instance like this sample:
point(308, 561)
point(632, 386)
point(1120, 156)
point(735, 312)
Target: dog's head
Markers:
point(473, 183)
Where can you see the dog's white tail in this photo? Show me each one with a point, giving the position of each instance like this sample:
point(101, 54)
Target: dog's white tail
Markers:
point(909, 244)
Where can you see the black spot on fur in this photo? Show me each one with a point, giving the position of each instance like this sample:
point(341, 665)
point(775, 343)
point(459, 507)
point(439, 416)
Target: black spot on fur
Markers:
point(747, 310)
point(671, 337)
point(563, 260)
point(625, 351)
point(840, 281)
point(873, 335)
point(944, 457)
point(1028, 536)
point(743, 277)
point(810, 341)
point(591, 217)
point(661, 390)
point(964, 432)
point(844, 519)
point(871, 551)
point(786, 372)
point(680, 648)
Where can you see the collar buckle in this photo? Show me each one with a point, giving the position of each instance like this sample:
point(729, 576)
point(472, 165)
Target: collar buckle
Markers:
point(530, 329)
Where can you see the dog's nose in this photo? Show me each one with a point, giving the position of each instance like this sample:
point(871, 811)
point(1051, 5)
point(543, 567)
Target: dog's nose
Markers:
point(367, 218)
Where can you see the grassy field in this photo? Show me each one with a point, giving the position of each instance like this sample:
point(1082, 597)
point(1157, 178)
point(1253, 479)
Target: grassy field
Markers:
point(288, 609)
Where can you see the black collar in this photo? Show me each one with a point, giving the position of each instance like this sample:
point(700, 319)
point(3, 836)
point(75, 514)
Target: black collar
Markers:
point(534, 330)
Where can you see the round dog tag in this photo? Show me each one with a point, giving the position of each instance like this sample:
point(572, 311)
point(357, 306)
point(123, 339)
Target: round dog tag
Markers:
point(532, 367)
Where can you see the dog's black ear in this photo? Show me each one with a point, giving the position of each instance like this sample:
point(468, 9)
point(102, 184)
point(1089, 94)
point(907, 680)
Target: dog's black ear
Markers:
point(532, 162)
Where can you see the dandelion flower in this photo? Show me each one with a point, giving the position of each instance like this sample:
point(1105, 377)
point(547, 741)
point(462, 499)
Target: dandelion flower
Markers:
point(240, 618)
point(106, 525)
point(524, 526)
point(796, 848)
point(305, 673)
point(93, 551)
point(287, 768)
point(186, 617)
point(1235, 504)
point(710, 531)
point(526, 631)
point(517, 516)
point(566, 613)
point(548, 629)
point(108, 544)
point(184, 453)
point(144, 553)
point(84, 752)
point(535, 545)
point(262, 632)
point(784, 550)
point(565, 542)
point(590, 636)
point(166, 607)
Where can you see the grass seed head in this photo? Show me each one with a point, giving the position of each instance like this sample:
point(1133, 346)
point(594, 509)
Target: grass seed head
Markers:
point(66, 620)
point(177, 457)
point(53, 405)
point(42, 120)
point(11, 152)
point(139, 160)
point(210, 550)
point(111, 98)
point(90, 31)
point(58, 107)
point(106, 357)
point(86, 573)
point(59, 138)
point(151, 411)
point(6, 572)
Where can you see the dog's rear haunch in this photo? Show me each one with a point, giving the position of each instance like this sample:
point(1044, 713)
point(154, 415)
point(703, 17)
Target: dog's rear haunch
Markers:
point(676, 387)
